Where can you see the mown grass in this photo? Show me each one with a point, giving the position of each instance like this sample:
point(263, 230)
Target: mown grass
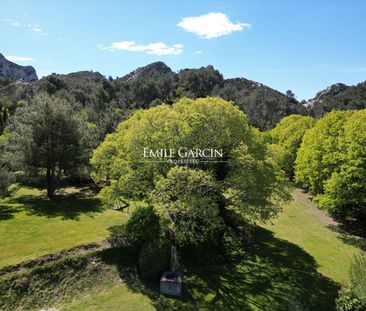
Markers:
point(302, 224)
point(31, 225)
point(297, 263)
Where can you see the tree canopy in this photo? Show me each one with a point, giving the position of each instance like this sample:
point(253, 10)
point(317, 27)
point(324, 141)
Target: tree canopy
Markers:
point(331, 162)
point(246, 178)
point(46, 138)
point(288, 135)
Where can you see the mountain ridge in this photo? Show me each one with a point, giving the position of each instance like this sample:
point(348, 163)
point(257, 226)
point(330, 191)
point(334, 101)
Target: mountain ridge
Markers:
point(13, 71)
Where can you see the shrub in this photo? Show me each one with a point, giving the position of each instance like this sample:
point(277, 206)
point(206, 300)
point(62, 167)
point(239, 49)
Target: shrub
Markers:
point(6, 178)
point(349, 301)
point(358, 275)
point(154, 258)
point(232, 246)
point(143, 225)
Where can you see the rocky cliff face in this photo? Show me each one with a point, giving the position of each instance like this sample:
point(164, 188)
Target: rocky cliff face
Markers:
point(14, 71)
point(329, 92)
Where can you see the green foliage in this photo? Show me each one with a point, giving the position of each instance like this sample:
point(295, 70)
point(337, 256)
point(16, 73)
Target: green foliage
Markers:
point(331, 162)
point(348, 301)
point(6, 178)
point(319, 154)
point(358, 275)
point(350, 98)
point(345, 190)
point(143, 225)
point(353, 297)
point(46, 135)
point(249, 178)
point(200, 82)
point(287, 135)
point(190, 198)
point(232, 246)
point(264, 106)
point(154, 258)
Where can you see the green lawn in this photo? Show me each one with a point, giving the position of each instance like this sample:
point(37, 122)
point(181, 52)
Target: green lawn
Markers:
point(305, 226)
point(112, 299)
point(297, 263)
point(31, 225)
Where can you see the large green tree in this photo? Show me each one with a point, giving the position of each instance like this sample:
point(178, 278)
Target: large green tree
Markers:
point(246, 179)
point(319, 154)
point(46, 135)
point(345, 190)
point(287, 135)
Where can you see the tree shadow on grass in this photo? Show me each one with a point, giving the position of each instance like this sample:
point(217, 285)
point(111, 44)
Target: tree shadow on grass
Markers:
point(277, 275)
point(355, 237)
point(7, 211)
point(68, 207)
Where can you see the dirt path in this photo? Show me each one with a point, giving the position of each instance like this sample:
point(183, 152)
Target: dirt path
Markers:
point(306, 200)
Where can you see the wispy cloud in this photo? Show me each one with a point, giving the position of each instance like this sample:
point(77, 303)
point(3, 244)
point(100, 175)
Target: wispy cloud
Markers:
point(158, 48)
point(33, 27)
point(198, 52)
point(351, 69)
point(211, 25)
point(13, 58)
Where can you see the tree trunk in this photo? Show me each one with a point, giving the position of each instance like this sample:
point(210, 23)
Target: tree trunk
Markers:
point(50, 182)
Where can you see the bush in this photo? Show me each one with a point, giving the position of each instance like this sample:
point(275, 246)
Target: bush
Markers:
point(232, 246)
point(358, 275)
point(143, 225)
point(154, 258)
point(349, 301)
point(6, 178)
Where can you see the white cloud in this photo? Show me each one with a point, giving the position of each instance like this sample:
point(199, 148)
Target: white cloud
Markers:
point(18, 58)
point(198, 52)
point(34, 27)
point(158, 48)
point(211, 25)
point(15, 24)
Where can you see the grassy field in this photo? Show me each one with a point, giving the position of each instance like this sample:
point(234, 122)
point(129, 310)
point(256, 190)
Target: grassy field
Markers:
point(31, 225)
point(297, 263)
point(303, 224)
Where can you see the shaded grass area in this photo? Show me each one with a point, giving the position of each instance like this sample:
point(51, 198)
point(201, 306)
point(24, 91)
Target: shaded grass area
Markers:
point(303, 224)
point(278, 275)
point(297, 263)
point(31, 225)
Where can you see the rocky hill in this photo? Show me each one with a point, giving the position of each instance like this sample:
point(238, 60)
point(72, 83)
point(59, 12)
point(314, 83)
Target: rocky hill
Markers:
point(156, 83)
point(14, 71)
point(338, 97)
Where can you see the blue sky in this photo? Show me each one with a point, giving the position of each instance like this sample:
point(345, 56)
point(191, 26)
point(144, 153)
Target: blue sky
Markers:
point(304, 46)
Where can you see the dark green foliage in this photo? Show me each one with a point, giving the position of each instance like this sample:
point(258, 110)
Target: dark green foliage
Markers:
point(358, 275)
point(194, 83)
point(143, 225)
point(349, 301)
point(346, 98)
point(154, 258)
point(6, 178)
point(264, 106)
point(46, 137)
point(232, 246)
point(353, 297)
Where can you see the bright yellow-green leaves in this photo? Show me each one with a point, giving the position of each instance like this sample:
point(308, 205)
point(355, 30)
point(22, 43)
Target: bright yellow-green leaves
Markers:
point(287, 137)
point(331, 162)
point(247, 172)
